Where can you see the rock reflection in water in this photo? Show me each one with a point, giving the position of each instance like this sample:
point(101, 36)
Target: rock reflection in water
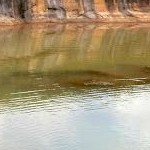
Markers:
point(74, 87)
point(76, 54)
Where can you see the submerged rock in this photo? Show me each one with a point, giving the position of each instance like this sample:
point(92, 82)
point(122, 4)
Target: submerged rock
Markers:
point(98, 83)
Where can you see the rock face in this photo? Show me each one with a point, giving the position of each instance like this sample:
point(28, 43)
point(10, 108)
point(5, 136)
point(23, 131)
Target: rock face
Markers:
point(14, 8)
point(74, 10)
point(12, 11)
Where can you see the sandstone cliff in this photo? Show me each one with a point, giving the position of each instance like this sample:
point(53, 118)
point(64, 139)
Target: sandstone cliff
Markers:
point(14, 11)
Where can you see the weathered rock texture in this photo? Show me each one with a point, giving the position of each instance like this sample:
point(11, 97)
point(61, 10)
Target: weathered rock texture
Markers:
point(13, 11)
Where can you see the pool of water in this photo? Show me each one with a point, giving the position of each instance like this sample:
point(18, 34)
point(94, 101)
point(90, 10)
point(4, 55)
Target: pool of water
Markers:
point(75, 87)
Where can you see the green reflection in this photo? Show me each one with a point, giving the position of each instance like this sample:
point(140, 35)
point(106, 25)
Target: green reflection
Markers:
point(74, 55)
point(79, 86)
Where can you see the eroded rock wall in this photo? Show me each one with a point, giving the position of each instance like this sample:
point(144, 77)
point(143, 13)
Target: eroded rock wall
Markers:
point(14, 8)
point(71, 9)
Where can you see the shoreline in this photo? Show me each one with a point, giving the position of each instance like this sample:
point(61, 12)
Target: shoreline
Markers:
point(102, 18)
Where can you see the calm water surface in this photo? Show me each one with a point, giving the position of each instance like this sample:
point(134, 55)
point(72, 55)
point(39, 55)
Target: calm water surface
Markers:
point(75, 87)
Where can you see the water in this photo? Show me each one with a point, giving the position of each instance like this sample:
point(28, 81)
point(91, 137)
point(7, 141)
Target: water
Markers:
point(75, 87)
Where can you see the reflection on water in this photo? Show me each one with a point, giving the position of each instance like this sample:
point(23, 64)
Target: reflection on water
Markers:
point(77, 87)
